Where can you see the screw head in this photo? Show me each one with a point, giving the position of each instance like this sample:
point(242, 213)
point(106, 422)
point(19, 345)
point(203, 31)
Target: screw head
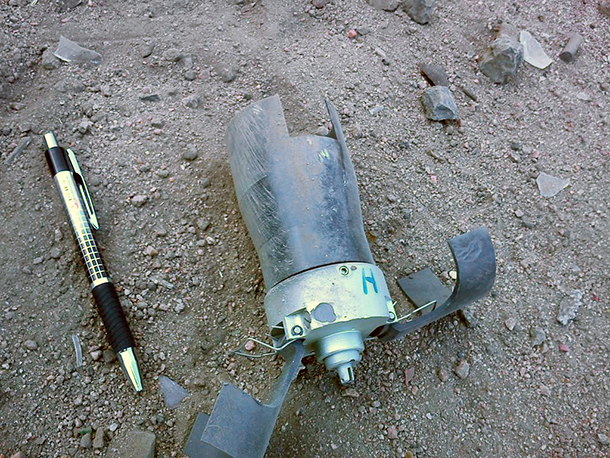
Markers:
point(297, 330)
point(344, 270)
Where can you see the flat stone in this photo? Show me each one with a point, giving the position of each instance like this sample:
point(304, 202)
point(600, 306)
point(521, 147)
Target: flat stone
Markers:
point(419, 10)
point(435, 74)
point(439, 104)
point(502, 58)
point(133, 444)
point(386, 5)
point(173, 394)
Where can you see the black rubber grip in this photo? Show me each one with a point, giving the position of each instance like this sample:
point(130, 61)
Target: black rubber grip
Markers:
point(113, 316)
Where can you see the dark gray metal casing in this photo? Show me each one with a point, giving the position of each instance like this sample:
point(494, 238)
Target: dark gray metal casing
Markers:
point(298, 195)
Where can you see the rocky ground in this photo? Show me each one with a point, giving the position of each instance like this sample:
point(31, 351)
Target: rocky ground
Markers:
point(148, 123)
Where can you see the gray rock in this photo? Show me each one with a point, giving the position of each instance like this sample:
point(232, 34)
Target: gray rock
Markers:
point(150, 98)
point(191, 154)
point(386, 5)
point(85, 441)
point(49, 61)
point(18, 455)
point(601, 437)
point(98, 442)
point(30, 344)
point(192, 101)
point(439, 104)
point(227, 73)
point(419, 10)
point(319, 3)
point(139, 200)
point(172, 55)
point(146, 49)
point(510, 323)
point(468, 317)
point(190, 75)
point(604, 8)
point(109, 356)
point(462, 369)
point(133, 444)
point(569, 307)
point(435, 74)
point(503, 57)
point(538, 336)
point(84, 126)
point(159, 123)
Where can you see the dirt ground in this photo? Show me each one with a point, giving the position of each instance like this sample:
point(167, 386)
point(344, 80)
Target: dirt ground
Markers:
point(189, 278)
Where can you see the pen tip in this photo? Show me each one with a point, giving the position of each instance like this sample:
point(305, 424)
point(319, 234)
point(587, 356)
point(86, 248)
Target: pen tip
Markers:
point(129, 363)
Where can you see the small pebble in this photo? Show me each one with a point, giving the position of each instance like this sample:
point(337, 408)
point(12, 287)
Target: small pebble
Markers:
point(564, 348)
point(85, 441)
point(392, 433)
point(463, 369)
point(139, 200)
point(250, 345)
point(30, 345)
point(191, 154)
point(95, 355)
point(98, 442)
point(442, 375)
point(351, 393)
point(109, 356)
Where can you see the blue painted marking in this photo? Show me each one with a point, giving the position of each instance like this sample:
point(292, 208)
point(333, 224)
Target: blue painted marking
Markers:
point(370, 280)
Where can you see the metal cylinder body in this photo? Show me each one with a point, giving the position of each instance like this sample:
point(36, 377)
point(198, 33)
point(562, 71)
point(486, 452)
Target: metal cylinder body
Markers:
point(299, 199)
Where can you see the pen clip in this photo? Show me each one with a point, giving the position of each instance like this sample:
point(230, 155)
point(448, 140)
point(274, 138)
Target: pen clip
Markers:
point(79, 178)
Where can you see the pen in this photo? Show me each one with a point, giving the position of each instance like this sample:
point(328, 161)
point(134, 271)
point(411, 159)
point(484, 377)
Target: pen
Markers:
point(77, 201)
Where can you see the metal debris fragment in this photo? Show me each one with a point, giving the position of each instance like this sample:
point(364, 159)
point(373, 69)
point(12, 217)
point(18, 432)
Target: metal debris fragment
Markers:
point(549, 185)
point(533, 53)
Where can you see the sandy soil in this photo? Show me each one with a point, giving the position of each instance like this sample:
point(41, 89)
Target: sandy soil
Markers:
point(188, 273)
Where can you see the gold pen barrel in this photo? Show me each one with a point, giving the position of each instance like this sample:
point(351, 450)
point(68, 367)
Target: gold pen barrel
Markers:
point(82, 230)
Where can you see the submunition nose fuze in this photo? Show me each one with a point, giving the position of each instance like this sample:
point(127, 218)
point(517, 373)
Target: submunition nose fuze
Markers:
point(325, 295)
